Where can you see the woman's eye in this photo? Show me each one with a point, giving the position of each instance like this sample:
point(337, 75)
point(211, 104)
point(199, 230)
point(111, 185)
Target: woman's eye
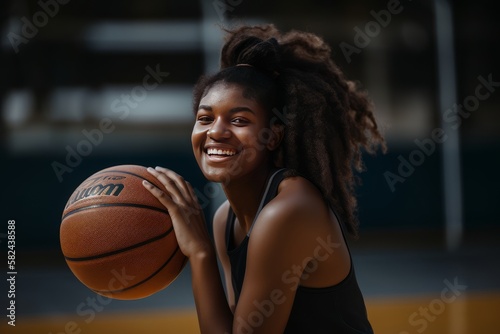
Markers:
point(204, 119)
point(240, 121)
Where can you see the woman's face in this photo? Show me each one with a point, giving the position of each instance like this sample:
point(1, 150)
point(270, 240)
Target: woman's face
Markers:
point(231, 134)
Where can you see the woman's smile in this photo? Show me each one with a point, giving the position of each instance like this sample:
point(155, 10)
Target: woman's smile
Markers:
point(226, 133)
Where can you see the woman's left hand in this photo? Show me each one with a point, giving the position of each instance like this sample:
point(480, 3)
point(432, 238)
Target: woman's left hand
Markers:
point(184, 210)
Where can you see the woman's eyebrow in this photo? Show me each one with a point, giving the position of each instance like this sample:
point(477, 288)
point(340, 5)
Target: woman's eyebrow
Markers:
point(205, 107)
point(239, 109)
point(232, 110)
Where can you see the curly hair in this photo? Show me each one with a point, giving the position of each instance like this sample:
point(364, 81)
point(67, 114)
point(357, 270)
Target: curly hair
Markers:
point(328, 119)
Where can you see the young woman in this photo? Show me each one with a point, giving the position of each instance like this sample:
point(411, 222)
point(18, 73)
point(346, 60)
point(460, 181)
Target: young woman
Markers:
point(281, 129)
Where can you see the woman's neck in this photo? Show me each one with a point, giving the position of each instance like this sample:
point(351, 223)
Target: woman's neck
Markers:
point(245, 193)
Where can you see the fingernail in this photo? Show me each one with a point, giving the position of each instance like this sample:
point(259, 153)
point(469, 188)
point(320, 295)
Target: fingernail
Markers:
point(146, 183)
point(150, 168)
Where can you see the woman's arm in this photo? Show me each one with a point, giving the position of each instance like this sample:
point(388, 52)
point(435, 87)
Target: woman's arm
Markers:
point(279, 249)
point(214, 315)
point(281, 246)
point(194, 241)
point(219, 228)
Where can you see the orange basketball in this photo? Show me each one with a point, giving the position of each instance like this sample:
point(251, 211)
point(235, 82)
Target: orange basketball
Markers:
point(117, 238)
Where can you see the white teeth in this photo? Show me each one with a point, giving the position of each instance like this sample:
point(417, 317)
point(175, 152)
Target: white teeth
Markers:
point(211, 151)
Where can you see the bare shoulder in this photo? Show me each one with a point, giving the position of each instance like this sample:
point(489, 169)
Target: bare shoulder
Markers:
point(292, 227)
point(297, 197)
point(298, 208)
point(299, 189)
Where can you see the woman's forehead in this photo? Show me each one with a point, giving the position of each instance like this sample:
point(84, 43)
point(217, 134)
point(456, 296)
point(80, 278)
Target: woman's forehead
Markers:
point(222, 91)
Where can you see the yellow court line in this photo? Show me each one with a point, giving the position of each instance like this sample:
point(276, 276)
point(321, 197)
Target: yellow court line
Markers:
point(139, 322)
point(470, 313)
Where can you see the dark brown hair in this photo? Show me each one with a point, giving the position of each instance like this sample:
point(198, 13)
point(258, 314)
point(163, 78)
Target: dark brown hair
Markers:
point(328, 120)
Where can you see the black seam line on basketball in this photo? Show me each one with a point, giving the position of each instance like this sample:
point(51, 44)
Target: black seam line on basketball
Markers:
point(125, 172)
point(121, 171)
point(144, 280)
point(142, 206)
point(142, 243)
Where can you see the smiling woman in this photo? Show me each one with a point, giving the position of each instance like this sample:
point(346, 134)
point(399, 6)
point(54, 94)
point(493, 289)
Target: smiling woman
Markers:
point(289, 186)
point(227, 132)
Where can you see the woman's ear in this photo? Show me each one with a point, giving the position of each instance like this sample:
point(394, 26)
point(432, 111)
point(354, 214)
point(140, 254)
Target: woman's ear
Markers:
point(277, 133)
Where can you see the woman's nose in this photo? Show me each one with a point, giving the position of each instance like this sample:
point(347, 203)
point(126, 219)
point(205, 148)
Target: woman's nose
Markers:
point(218, 130)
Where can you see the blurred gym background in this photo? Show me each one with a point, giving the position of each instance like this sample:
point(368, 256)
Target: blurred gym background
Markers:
point(85, 85)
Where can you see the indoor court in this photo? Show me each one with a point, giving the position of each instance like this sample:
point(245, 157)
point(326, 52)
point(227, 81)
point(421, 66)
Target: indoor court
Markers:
point(402, 284)
point(87, 85)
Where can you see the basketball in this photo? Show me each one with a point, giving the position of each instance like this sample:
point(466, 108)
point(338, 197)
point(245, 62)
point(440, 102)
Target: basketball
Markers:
point(117, 238)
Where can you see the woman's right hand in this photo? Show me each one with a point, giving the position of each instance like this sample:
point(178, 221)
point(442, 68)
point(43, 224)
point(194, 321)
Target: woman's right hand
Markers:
point(184, 210)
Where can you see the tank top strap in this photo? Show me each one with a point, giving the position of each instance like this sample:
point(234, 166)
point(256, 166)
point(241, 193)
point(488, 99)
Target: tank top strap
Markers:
point(231, 217)
point(269, 194)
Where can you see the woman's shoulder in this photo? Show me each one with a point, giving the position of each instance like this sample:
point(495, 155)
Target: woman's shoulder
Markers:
point(297, 201)
point(299, 193)
point(294, 220)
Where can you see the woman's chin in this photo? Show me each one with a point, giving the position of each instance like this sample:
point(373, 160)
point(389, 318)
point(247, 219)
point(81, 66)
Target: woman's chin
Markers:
point(217, 175)
point(220, 172)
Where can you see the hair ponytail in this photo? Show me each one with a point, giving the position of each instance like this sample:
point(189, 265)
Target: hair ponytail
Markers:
point(329, 121)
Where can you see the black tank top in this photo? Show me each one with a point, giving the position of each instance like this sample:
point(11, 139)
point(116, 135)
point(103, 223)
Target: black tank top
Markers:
point(336, 309)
